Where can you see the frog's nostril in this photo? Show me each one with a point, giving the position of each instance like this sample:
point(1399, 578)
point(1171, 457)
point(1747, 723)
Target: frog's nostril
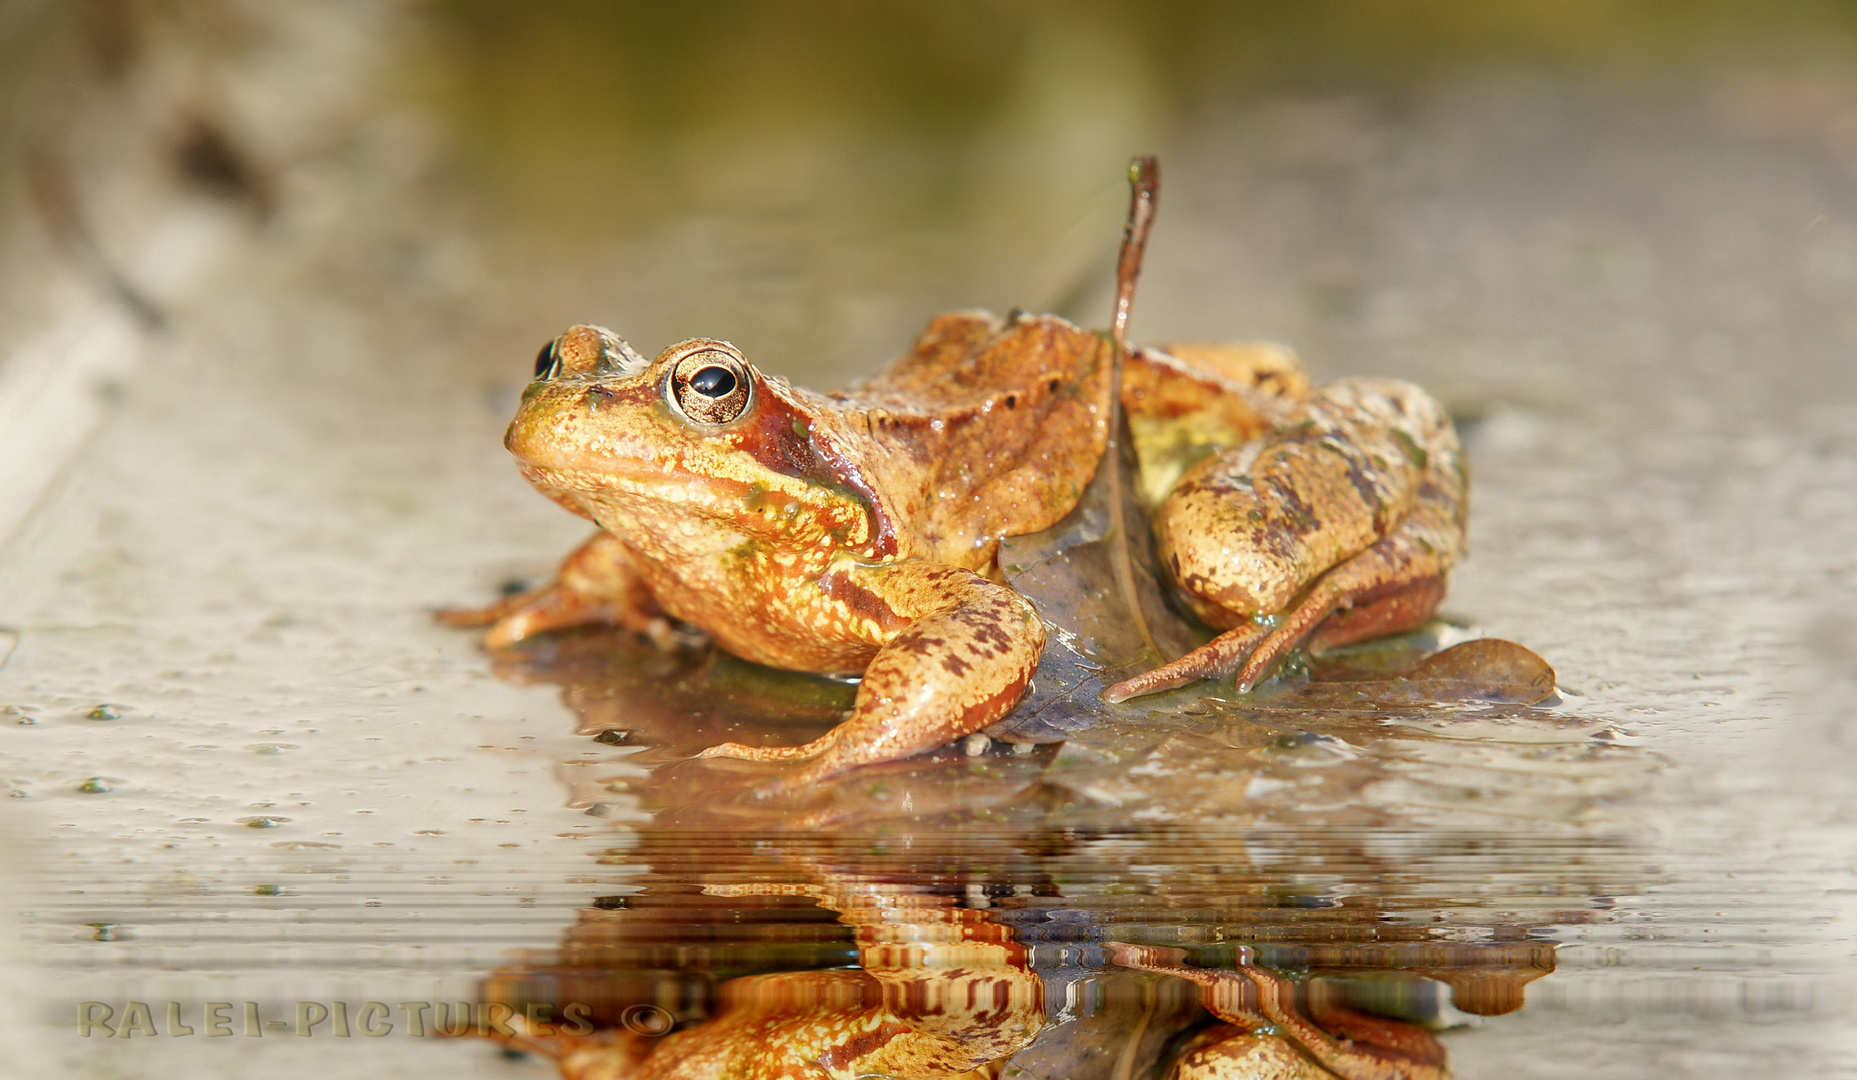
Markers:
point(547, 362)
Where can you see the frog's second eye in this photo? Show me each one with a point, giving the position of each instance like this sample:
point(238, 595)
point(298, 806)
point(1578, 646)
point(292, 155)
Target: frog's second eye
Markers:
point(711, 387)
point(546, 360)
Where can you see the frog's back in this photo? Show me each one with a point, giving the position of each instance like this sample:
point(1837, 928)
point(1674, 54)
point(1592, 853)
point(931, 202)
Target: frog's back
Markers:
point(1000, 422)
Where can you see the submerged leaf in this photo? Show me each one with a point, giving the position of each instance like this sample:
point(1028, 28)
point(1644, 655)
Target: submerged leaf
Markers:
point(1481, 670)
point(1098, 586)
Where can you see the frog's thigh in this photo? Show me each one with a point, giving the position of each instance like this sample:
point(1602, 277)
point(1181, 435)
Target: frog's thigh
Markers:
point(596, 584)
point(963, 662)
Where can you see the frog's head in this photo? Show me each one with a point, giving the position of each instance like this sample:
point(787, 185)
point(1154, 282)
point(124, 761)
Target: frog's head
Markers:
point(694, 440)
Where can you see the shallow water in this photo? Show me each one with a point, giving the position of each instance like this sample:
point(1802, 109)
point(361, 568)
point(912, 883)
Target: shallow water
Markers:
point(1633, 289)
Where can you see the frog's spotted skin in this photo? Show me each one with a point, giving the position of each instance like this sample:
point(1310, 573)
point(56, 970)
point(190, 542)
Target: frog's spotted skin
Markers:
point(858, 532)
point(1265, 1037)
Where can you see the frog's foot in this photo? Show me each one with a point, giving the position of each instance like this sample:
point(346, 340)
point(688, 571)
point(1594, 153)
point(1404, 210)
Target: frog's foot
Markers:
point(596, 585)
point(962, 661)
point(1209, 661)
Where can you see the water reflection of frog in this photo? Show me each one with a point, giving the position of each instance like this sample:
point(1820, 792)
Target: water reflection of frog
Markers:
point(1265, 1037)
point(857, 532)
point(940, 990)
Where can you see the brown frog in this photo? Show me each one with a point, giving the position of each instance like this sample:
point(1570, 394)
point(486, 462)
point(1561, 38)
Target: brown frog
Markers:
point(856, 533)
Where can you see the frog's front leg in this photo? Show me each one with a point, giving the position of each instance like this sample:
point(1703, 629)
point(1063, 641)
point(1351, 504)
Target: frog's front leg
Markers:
point(962, 662)
point(596, 584)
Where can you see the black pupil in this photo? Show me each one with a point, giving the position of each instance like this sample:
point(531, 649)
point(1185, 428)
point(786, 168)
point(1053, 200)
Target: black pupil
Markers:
point(714, 382)
point(544, 359)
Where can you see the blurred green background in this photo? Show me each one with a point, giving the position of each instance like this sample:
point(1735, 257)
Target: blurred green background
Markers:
point(813, 177)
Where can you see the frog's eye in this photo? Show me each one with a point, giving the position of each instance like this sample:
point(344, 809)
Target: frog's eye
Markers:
point(547, 360)
point(711, 387)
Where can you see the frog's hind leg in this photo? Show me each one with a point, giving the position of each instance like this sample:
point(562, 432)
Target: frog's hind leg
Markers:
point(1394, 585)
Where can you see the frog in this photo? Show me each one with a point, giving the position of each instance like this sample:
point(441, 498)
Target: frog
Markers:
point(1262, 1035)
point(857, 533)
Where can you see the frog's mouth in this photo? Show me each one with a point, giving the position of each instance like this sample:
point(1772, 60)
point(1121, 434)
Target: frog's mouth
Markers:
point(619, 482)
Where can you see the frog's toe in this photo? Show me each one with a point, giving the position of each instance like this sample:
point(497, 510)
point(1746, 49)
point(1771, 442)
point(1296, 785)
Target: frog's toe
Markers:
point(1209, 661)
point(470, 618)
point(551, 608)
point(744, 752)
point(555, 607)
point(524, 615)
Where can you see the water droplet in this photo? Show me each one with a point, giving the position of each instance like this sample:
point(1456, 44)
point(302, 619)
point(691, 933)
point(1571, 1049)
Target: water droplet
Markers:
point(107, 931)
point(267, 890)
point(96, 785)
point(261, 821)
point(614, 737)
point(105, 712)
point(270, 748)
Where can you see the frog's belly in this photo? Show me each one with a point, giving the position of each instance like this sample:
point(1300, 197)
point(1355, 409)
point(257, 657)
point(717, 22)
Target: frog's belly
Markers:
point(797, 626)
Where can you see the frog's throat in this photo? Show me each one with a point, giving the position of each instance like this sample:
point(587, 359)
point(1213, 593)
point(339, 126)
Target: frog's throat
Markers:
point(797, 513)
